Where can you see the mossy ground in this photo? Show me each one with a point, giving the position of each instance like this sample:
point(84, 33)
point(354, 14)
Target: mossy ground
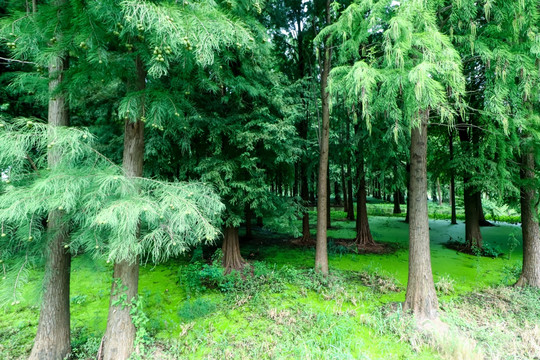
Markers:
point(283, 315)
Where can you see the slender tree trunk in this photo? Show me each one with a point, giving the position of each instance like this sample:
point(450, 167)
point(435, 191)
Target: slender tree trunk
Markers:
point(421, 297)
point(397, 207)
point(337, 194)
point(408, 180)
point(530, 274)
point(363, 233)
point(439, 194)
point(344, 187)
point(321, 254)
point(306, 234)
point(329, 205)
point(350, 206)
point(53, 335)
point(481, 218)
point(313, 188)
point(120, 333)
point(453, 220)
point(473, 236)
point(232, 259)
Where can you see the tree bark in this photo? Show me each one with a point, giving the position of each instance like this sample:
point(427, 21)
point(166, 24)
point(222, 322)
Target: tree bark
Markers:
point(120, 333)
point(337, 194)
point(481, 218)
point(421, 297)
point(363, 233)
point(530, 274)
point(408, 179)
point(53, 335)
point(321, 253)
point(344, 186)
point(350, 206)
point(453, 220)
point(232, 259)
point(473, 236)
point(397, 207)
point(329, 205)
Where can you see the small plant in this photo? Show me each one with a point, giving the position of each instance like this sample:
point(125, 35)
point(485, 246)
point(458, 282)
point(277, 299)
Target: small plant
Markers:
point(379, 282)
point(513, 242)
point(511, 273)
point(445, 285)
point(78, 299)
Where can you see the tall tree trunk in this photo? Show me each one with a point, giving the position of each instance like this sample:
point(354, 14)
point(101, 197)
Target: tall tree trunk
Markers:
point(329, 205)
point(337, 194)
point(120, 333)
point(397, 207)
point(232, 259)
point(473, 236)
point(453, 220)
point(321, 253)
point(53, 335)
point(530, 274)
point(350, 206)
point(363, 233)
point(481, 218)
point(345, 195)
point(421, 297)
point(439, 194)
point(306, 234)
point(313, 188)
point(408, 180)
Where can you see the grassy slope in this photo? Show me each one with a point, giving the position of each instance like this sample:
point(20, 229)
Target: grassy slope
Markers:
point(295, 321)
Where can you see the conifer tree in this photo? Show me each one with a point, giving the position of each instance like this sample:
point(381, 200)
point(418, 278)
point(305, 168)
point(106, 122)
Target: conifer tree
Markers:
point(421, 67)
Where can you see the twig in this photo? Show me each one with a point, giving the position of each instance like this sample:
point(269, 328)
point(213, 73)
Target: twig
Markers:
point(32, 164)
point(16, 60)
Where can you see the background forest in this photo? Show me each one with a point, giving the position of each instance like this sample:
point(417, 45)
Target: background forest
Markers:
point(238, 179)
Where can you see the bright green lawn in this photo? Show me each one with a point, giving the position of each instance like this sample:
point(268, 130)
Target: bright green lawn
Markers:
point(295, 321)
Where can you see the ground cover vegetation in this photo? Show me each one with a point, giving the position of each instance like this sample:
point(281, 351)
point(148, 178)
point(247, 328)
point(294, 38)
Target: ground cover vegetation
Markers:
point(273, 179)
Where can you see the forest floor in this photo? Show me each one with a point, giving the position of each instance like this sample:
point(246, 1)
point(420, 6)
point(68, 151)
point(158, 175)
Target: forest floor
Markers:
point(287, 311)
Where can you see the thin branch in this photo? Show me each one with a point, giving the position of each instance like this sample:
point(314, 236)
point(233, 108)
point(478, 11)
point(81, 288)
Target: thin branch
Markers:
point(19, 61)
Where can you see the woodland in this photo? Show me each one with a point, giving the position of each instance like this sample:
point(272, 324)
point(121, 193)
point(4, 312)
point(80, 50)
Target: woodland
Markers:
point(294, 179)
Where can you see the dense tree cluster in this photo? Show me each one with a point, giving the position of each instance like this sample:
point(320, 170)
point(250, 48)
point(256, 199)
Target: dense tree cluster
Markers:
point(135, 130)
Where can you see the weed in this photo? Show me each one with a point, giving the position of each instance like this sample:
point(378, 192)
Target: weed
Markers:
point(445, 285)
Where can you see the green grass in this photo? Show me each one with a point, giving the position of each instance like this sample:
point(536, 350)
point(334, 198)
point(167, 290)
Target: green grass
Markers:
point(287, 311)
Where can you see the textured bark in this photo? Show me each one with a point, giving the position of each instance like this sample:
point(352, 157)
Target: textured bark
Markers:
point(397, 207)
point(344, 187)
point(421, 298)
point(481, 218)
point(232, 259)
point(473, 236)
point(53, 335)
point(329, 205)
point(363, 233)
point(453, 220)
point(120, 333)
point(530, 274)
point(350, 206)
point(408, 179)
point(321, 253)
point(337, 194)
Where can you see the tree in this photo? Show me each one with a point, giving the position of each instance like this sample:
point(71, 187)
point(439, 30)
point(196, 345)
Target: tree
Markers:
point(421, 67)
point(321, 254)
